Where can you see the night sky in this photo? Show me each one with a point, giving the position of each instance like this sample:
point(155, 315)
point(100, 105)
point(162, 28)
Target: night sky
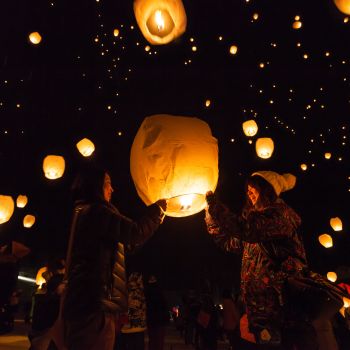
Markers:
point(82, 81)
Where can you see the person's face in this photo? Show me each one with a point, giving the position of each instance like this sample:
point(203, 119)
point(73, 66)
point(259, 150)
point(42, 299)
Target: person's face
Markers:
point(253, 194)
point(107, 188)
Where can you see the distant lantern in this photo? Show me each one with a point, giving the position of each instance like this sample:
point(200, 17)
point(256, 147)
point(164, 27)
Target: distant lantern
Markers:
point(328, 155)
point(264, 147)
point(39, 279)
point(7, 206)
point(326, 240)
point(28, 221)
point(35, 38)
point(297, 24)
point(176, 158)
point(343, 6)
point(336, 224)
point(207, 103)
point(21, 201)
point(250, 127)
point(332, 276)
point(233, 49)
point(160, 21)
point(303, 167)
point(346, 302)
point(116, 32)
point(53, 167)
point(86, 147)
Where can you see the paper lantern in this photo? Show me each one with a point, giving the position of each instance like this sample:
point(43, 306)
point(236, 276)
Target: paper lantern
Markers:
point(35, 38)
point(39, 279)
point(328, 155)
point(297, 25)
point(303, 167)
point(160, 21)
point(332, 276)
point(343, 6)
point(21, 201)
point(233, 49)
point(53, 167)
point(336, 224)
point(346, 302)
point(7, 207)
point(326, 240)
point(28, 221)
point(86, 147)
point(116, 32)
point(264, 147)
point(250, 127)
point(174, 158)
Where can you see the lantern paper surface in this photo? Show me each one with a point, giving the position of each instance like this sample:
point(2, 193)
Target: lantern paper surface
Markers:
point(7, 207)
point(343, 6)
point(264, 147)
point(336, 224)
point(21, 201)
point(86, 147)
point(326, 240)
point(28, 221)
point(332, 276)
point(40, 280)
point(35, 38)
point(160, 21)
point(53, 167)
point(250, 127)
point(175, 158)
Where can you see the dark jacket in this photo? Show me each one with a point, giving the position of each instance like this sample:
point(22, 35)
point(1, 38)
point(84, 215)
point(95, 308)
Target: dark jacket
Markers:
point(97, 230)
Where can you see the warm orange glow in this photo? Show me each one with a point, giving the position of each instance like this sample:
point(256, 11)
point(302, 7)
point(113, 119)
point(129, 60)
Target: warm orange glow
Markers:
point(250, 127)
point(303, 167)
point(297, 25)
point(326, 240)
point(116, 32)
point(328, 155)
point(332, 276)
point(7, 207)
point(53, 167)
point(86, 147)
point(343, 6)
point(40, 280)
point(35, 38)
point(21, 201)
point(264, 147)
point(233, 49)
point(28, 221)
point(336, 224)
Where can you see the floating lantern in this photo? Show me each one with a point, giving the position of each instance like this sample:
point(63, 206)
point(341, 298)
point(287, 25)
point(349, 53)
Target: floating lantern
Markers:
point(160, 21)
point(35, 38)
point(328, 155)
point(174, 158)
point(303, 167)
point(39, 279)
point(207, 103)
point(264, 147)
point(86, 147)
point(332, 276)
point(7, 207)
point(116, 32)
point(297, 25)
point(250, 127)
point(28, 221)
point(343, 6)
point(233, 49)
point(53, 167)
point(326, 240)
point(336, 224)
point(346, 302)
point(21, 201)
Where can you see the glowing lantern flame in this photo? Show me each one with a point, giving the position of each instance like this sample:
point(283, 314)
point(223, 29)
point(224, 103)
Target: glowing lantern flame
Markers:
point(336, 224)
point(303, 167)
point(21, 201)
point(7, 206)
point(28, 221)
point(233, 49)
point(250, 127)
point(35, 38)
point(332, 276)
point(40, 280)
point(264, 147)
point(53, 167)
point(326, 240)
point(86, 147)
point(159, 20)
point(328, 155)
point(346, 302)
point(116, 32)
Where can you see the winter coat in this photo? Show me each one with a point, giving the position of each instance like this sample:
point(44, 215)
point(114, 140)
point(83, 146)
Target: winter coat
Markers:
point(97, 230)
point(272, 250)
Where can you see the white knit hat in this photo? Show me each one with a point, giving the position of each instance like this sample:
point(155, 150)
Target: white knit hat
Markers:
point(280, 183)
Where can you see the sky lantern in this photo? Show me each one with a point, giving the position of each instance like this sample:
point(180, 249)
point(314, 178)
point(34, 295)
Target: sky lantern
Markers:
point(336, 224)
point(39, 279)
point(303, 167)
point(207, 103)
point(328, 155)
point(160, 21)
point(332, 276)
point(86, 147)
point(35, 38)
point(250, 127)
point(116, 32)
point(233, 49)
point(343, 6)
point(175, 158)
point(21, 201)
point(53, 167)
point(326, 240)
point(7, 207)
point(28, 221)
point(264, 147)
point(346, 302)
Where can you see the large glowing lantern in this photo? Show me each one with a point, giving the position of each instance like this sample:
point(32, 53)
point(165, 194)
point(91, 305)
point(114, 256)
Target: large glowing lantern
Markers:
point(175, 158)
point(250, 127)
point(53, 167)
point(326, 240)
point(332, 276)
point(28, 221)
point(343, 6)
point(21, 201)
point(35, 38)
point(160, 21)
point(86, 147)
point(40, 280)
point(264, 147)
point(7, 206)
point(336, 224)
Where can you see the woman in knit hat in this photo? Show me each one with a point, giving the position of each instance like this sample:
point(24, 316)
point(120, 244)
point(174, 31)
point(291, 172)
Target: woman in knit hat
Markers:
point(266, 234)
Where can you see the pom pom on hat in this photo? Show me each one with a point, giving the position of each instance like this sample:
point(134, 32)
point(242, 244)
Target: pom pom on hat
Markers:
point(280, 183)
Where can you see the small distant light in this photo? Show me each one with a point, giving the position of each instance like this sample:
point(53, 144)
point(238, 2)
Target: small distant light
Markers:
point(18, 105)
point(250, 141)
point(120, 133)
point(109, 107)
point(116, 32)
point(306, 56)
point(191, 40)
point(233, 49)
point(207, 103)
point(255, 16)
point(261, 65)
point(147, 48)
point(298, 44)
point(232, 140)
point(194, 48)
point(220, 38)
point(327, 54)
point(297, 18)
point(346, 19)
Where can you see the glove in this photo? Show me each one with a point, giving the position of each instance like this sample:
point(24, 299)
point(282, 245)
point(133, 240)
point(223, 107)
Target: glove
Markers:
point(162, 203)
